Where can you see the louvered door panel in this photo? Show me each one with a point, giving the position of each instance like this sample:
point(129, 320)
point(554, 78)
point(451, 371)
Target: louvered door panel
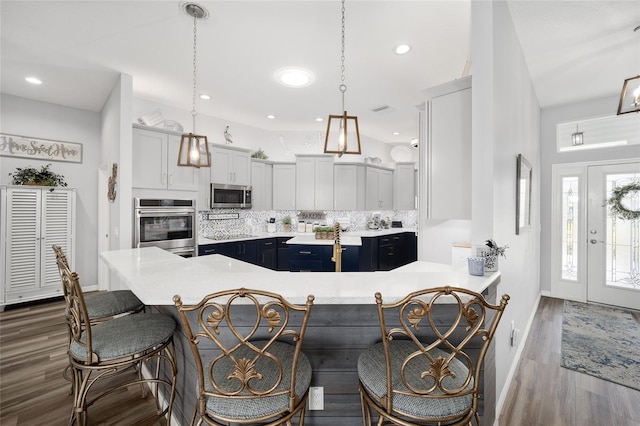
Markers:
point(23, 233)
point(33, 219)
point(56, 229)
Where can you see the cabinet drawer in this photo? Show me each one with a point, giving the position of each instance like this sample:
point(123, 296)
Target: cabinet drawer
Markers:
point(306, 252)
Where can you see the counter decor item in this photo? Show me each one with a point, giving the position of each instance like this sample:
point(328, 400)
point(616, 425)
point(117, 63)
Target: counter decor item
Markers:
point(33, 176)
point(621, 202)
point(259, 155)
point(491, 255)
point(324, 232)
point(111, 191)
point(286, 222)
point(476, 265)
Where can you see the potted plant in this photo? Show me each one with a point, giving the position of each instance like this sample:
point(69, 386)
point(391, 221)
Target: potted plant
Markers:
point(491, 255)
point(259, 154)
point(286, 221)
point(33, 176)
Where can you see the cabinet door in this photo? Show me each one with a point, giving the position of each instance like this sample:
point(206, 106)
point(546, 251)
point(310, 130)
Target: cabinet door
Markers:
point(221, 166)
point(22, 258)
point(179, 178)
point(57, 227)
point(240, 168)
point(150, 159)
point(284, 186)
point(385, 189)
point(305, 183)
point(268, 253)
point(323, 183)
point(348, 187)
point(262, 185)
point(372, 189)
point(403, 187)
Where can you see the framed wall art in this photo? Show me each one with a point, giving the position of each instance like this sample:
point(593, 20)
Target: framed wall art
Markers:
point(40, 149)
point(523, 194)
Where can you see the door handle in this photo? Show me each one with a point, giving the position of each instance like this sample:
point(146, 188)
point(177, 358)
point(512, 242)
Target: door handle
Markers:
point(594, 241)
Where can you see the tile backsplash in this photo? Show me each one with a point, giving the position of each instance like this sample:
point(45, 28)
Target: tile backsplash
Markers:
point(255, 222)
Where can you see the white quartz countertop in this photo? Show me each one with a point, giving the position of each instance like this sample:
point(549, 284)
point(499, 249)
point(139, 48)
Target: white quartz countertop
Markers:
point(155, 276)
point(310, 239)
point(348, 238)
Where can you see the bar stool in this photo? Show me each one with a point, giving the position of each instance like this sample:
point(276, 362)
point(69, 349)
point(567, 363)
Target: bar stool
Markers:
point(98, 351)
point(101, 305)
point(253, 374)
point(426, 371)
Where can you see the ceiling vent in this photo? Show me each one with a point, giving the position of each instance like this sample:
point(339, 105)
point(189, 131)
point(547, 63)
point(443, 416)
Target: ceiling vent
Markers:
point(382, 108)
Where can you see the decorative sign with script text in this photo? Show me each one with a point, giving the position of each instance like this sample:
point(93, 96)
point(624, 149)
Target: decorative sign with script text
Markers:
point(40, 149)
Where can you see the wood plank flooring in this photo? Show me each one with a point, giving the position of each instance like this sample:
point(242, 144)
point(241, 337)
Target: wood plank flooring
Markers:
point(545, 394)
point(33, 392)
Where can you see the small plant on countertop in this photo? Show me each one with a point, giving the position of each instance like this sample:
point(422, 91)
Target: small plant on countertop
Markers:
point(33, 176)
point(286, 220)
point(495, 250)
point(260, 155)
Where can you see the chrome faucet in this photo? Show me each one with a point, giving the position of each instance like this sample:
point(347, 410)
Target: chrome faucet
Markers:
point(337, 248)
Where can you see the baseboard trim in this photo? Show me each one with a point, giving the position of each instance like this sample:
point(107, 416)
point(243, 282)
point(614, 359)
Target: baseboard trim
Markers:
point(516, 362)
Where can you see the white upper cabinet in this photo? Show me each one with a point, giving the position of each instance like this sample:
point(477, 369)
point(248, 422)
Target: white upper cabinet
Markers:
point(314, 182)
point(231, 166)
point(155, 162)
point(349, 182)
point(284, 186)
point(262, 185)
point(379, 194)
point(447, 157)
point(404, 193)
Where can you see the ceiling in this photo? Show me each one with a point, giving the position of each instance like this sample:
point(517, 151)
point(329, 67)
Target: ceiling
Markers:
point(574, 49)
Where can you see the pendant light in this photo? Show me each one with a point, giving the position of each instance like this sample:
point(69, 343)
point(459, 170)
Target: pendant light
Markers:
point(194, 149)
point(630, 96)
point(577, 138)
point(342, 130)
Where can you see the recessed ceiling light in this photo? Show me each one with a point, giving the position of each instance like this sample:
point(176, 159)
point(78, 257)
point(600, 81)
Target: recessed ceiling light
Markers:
point(402, 49)
point(33, 80)
point(205, 97)
point(294, 77)
point(396, 133)
point(319, 119)
point(271, 117)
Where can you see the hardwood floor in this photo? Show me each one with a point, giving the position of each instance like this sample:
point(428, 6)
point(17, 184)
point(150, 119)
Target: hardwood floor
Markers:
point(32, 358)
point(33, 392)
point(545, 394)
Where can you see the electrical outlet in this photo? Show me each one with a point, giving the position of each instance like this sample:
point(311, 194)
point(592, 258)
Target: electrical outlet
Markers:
point(513, 335)
point(316, 398)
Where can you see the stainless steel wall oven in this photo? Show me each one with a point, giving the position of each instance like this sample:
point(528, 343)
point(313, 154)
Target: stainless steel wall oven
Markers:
point(168, 224)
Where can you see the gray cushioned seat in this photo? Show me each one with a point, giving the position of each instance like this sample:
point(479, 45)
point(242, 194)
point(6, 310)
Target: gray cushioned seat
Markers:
point(126, 335)
point(260, 406)
point(109, 303)
point(372, 374)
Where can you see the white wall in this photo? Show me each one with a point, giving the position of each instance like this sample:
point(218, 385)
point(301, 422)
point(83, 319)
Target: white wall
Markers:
point(506, 122)
point(25, 117)
point(549, 156)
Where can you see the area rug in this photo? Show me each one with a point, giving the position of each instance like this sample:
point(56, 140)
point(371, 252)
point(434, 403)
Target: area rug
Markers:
point(601, 341)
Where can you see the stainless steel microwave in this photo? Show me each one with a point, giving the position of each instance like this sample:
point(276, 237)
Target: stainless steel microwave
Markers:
point(230, 196)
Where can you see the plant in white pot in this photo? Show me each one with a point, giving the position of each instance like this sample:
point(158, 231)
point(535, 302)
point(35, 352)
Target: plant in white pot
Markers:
point(491, 255)
point(32, 176)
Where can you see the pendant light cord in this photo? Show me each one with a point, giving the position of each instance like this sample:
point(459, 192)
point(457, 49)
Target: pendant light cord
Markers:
point(195, 40)
point(343, 86)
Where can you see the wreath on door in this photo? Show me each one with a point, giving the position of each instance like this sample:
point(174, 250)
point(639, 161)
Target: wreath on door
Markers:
point(617, 206)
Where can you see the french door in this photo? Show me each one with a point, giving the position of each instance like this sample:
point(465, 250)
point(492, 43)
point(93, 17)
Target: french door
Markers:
point(613, 242)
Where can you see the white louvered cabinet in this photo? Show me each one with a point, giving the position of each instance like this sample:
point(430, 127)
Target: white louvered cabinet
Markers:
point(33, 219)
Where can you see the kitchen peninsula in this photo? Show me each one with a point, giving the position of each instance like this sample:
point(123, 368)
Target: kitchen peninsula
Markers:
point(343, 319)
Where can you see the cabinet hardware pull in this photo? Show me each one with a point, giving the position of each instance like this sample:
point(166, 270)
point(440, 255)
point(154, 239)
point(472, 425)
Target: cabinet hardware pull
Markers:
point(268, 244)
point(304, 252)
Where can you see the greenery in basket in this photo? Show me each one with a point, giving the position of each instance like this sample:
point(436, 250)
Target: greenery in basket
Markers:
point(323, 229)
point(286, 220)
point(33, 176)
point(260, 155)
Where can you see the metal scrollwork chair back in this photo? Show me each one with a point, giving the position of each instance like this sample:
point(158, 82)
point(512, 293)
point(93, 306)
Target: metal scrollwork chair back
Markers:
point(427, 368)
point(247, 349)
